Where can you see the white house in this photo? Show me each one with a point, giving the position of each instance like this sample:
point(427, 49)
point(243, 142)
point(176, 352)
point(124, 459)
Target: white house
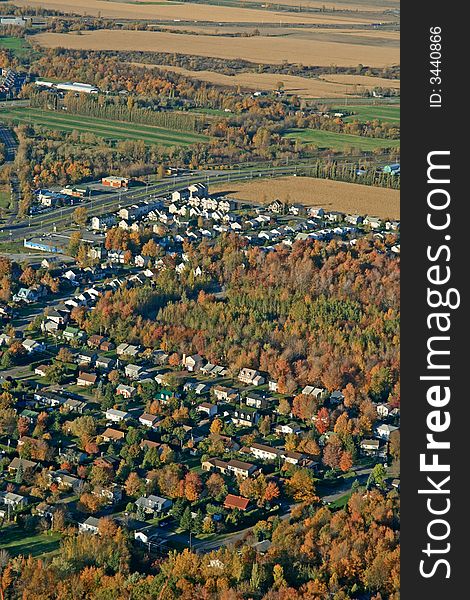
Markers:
point(116, 416)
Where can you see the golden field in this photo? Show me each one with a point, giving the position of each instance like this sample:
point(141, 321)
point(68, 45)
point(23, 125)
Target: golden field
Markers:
point(352, 198)
point(255, 49)
point(196, 12)
point(325, 87)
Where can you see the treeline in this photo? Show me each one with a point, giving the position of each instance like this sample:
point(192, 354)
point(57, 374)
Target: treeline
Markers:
point(234, 66)
point(117, 109)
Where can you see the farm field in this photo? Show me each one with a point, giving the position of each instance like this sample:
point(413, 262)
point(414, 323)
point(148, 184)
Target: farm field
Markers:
point(362, 81)
point(352, 198)
point(101, 127)
point(339, 141)
point(391, 114)
point(302, 86)
point(254, 49)
point(205, 12)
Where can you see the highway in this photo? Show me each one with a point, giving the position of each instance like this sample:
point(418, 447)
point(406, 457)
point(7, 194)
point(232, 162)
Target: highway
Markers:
point(110, 202)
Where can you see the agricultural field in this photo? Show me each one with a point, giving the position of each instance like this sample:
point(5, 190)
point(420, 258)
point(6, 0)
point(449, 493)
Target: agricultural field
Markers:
point(390, 114)
point(351, 198)
point(102, 128)
point(254, 49)
point(232, 12)
point(339, 141)
point(302, 86)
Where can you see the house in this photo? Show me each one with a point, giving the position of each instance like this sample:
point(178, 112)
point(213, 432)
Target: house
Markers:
point(256, 401)
point(193, 362)
point(223, 393)
point(251, 377)
point(383, 410)
point(32, 346)
point(127, 350)
point(215, 464)
point(112, 493)
point(28, 466)
point(86, 379)
point(106, 346)
point(113, 435)
point(73, 405)
point(288, 429)
point(90, 525)
point(95, 341)
point(291, 457)
point(165, 396)
point(337, 397)
point(373, 222)
point(133, 371)
point(116, 416)
point(384, 431)
point(41, 370)
point(126, 391)
point(14, 500)
point(207, 408)
point(318, 393)
point(105, 363)
point(264, 452)
point(73, 333)
point(232, 501)
point(245, 416)
point(153, 504)
point(370, 446)
point(148, 420)
point(272, 385)
point(240, 468)
point(86, 357)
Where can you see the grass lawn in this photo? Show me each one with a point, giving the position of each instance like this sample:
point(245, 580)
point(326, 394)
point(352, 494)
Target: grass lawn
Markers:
point(339, 141)
point(115, 130)
point(390, 114)
point(340, 502)
point(17, 541)
point(19, 46)
point(4, 199)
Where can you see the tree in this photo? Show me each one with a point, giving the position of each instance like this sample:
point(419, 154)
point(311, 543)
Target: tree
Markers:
point(186, 520)
point(134, 486)
point(271, 492)
point(322, 422)
point(345, 462)
point(64, 355)
point(284, 407)
point(377, 476)
point(192, 486)
point(332, 453)
point(302, 487)
point(265, 426)
point(216, 426)
point(216, 487)
point(80, 216)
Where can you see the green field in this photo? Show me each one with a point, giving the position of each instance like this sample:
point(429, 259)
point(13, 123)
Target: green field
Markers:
point(339, 141)
point(16, 541)
point(115, 130)
point(389, 114)
point(18, 46)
